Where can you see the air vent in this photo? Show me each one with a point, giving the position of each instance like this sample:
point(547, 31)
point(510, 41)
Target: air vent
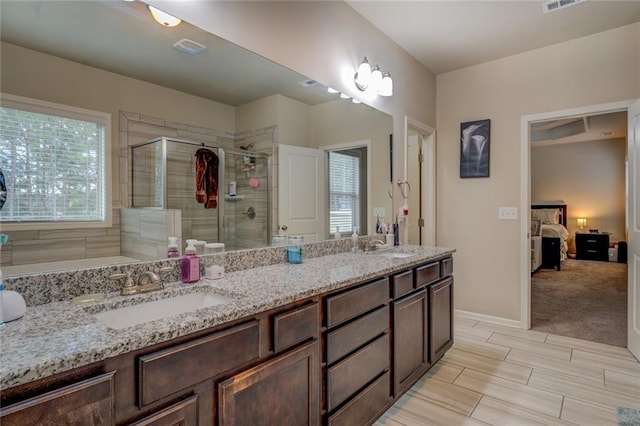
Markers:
point(557, 129)
point(553, 5)
point(189, 47)
point(308, 83)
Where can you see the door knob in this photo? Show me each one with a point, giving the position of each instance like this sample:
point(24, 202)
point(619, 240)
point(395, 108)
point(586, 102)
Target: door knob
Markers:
point(284, 227)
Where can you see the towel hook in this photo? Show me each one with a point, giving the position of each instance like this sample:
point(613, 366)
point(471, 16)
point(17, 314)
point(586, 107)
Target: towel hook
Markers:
point(405, 188)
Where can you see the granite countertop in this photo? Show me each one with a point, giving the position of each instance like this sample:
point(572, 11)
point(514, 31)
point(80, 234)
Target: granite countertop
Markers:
point(60, 336)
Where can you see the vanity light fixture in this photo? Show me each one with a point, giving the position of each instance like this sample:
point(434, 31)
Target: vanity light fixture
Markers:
point(355, 101)
point(343, 96)
point(331, 90)
point(373, 80)
point(163, 18)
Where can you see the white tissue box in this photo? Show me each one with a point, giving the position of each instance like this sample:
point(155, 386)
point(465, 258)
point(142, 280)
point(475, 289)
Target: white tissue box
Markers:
point(214, 272)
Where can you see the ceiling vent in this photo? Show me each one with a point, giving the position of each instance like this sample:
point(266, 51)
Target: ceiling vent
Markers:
point(557, 129)
point(189, 47)
point(553, 5)
point(308, 83)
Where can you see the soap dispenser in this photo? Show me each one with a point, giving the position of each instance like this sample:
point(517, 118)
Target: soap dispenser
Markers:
point(354, 240)
point(190, 264)
point(172, 249)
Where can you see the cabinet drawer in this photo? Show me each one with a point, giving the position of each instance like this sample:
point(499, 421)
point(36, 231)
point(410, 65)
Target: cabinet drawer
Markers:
point(354, 372)
point(427, 274)
point(170, 370)
point(351, 303)
point(183, 413)
point(365, 407)
point(401, 284)
point(345, 339)
point(89, 402)
point(295, 326)
point(446, 267)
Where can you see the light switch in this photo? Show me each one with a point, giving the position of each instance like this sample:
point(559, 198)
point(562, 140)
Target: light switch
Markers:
point(508, 213)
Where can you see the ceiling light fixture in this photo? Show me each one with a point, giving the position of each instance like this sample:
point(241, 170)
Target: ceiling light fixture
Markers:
point(163, 18)
point(373, 80)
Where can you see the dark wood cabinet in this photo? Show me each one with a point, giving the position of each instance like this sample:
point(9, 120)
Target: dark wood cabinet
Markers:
point(282, 391)
point(341, 358)
point(440, 319)
point(410, 340)
point(184, 413)
point(88, 402)
point(592, 246)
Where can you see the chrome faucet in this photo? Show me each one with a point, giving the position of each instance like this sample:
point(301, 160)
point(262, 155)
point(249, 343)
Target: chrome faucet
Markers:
point(375, 244)
point(148, 281)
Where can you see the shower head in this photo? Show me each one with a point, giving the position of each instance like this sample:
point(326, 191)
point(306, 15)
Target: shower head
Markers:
point(247, 147)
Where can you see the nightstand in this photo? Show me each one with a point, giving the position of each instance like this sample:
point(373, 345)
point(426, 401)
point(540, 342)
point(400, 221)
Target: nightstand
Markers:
point(592, 246)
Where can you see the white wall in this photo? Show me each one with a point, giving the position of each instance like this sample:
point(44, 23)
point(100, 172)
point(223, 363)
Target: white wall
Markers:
point(592, 70)
point(589, 177)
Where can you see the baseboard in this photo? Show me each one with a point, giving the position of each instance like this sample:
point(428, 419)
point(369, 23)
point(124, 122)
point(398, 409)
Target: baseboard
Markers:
point(487, 318)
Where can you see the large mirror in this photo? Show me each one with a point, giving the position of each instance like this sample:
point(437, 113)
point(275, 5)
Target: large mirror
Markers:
point(112, 57)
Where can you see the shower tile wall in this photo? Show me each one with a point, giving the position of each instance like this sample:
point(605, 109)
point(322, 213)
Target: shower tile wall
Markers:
point(145, 232)
point(243, 232)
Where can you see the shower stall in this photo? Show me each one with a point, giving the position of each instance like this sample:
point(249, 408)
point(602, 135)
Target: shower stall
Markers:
point(165, 179)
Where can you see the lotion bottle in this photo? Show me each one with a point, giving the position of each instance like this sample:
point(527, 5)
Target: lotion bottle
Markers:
point(190, 265)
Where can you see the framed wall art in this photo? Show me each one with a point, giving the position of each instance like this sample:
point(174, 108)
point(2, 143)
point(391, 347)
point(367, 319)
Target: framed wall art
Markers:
point(474, 148)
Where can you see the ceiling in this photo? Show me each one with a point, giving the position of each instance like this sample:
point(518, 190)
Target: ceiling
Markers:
point(448, 35)
point(122, 37)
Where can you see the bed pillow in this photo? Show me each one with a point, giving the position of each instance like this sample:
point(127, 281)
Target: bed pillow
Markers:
point(548, 216)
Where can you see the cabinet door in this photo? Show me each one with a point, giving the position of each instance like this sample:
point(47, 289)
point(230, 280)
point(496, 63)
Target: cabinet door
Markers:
point(410, 340)
point(184, 413)
point(441, 318)
point(282, 391)
point(89, 402)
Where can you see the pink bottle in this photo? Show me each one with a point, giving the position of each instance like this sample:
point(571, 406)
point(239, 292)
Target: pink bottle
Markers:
point(190, 265)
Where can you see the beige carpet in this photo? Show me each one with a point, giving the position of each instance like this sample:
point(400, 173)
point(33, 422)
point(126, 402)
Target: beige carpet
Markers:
point(586, 300)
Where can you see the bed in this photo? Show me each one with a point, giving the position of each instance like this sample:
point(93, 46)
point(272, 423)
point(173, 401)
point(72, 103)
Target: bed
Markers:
point(553, 219)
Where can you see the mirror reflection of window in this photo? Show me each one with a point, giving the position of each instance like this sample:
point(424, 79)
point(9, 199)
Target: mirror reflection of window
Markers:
point(347, 191)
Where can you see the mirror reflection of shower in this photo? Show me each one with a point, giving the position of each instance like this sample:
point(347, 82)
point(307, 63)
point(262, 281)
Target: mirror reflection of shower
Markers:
point(164, 200)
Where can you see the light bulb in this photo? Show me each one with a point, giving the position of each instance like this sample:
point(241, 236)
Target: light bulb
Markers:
point(355, 101)
point(343, 96)
point(163, 18)
point(363, 75)
point(376, 79)
point(331, 90)
point(386, 87)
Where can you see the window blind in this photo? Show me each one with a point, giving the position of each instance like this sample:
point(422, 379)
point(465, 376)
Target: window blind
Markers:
point(54, 164)
point(344, 192)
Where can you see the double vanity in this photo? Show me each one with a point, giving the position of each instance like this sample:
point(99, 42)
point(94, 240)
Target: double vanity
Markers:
point(335, 340)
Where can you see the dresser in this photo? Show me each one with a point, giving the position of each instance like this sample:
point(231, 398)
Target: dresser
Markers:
point(592, 246)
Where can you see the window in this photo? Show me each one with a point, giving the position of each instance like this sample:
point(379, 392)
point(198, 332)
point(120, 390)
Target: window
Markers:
point(54, 159)
point(347, 190)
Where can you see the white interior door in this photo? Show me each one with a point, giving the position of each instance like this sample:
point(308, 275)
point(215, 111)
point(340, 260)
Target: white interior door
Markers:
point(633, 220)
point(301, 197)
point(414, 152)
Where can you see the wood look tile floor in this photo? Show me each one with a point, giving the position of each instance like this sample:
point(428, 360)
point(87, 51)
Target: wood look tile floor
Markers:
point(496, 375)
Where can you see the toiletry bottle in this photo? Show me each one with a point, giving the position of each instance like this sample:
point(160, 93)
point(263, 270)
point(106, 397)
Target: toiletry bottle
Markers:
point(172, 250)
point(336, 235)
point(396, 233)
point(354, 241)
point(190, 265)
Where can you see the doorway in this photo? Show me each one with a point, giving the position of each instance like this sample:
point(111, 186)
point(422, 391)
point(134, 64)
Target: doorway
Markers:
point(525, 200)
point(420, 173)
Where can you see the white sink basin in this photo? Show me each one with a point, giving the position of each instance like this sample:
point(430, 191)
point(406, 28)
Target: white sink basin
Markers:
point(396, 255)
point(150, 311)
